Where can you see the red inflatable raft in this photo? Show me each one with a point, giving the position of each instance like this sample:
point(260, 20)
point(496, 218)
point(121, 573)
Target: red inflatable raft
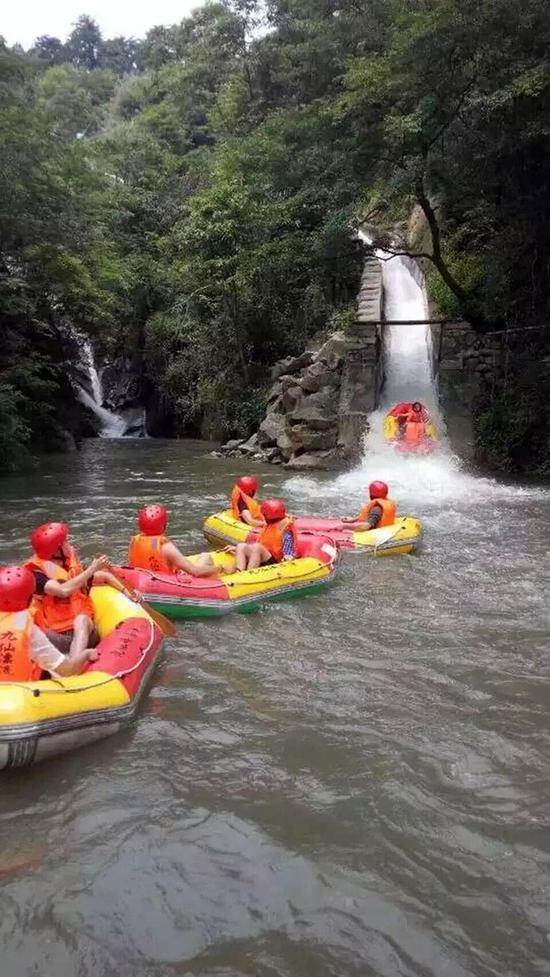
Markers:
point(403, 536)
point(181, 595)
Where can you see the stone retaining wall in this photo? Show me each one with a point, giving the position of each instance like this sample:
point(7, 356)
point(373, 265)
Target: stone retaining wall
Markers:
point(470, 368)
point(320, 401)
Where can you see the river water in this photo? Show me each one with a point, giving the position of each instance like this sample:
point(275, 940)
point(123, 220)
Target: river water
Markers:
point(354, 783)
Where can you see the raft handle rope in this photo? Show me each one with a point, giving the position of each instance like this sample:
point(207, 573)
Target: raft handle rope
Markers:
point(342, 527)
point(234, 583)
point(84, 688)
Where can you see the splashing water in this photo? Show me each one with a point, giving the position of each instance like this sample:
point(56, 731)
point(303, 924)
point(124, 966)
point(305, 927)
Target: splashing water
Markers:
point(112, 425)
point(407, 348)
point(417, 482)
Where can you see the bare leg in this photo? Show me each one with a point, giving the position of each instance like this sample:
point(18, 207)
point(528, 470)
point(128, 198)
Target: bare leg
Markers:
point(241, 556)
point(257, 555)
point(82, 632)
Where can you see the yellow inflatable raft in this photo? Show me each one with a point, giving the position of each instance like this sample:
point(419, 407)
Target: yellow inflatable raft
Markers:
point(180, 595)
point(42, 719)
point(393, 434)
point(403, 536)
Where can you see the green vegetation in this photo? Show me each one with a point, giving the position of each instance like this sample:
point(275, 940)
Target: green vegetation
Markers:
point(191, 196)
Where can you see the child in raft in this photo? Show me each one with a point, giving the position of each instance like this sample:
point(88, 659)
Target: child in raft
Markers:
point(63, 609)
point(276, 542)
point(380, 511)
point(151, 550)
point(25, 651)
point(244, 506)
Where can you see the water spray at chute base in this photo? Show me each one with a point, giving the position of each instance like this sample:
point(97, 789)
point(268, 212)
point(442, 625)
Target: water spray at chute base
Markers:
point(408, 376)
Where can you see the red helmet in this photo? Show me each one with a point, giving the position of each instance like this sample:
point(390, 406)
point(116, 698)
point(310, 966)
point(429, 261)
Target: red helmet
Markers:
point(248, 484)
point(152, 520)
point(17, 585)
point(378, 490)
point(273, 510)
point(47, 539)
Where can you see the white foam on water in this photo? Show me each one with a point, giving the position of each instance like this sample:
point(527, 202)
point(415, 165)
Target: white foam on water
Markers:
point(437, 479)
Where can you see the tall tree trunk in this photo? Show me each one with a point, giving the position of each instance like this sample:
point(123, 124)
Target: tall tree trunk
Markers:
point(473, 315)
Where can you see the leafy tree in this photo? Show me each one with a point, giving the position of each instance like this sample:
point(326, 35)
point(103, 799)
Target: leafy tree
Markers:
point(190, 198)
point(84, 44)
point(120, 55)
point(49, 49)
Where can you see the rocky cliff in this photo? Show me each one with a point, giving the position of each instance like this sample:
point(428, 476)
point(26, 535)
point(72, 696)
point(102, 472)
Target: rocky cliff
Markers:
point(319, 402)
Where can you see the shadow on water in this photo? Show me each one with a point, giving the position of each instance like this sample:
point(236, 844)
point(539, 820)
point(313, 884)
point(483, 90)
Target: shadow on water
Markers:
point(353, 783)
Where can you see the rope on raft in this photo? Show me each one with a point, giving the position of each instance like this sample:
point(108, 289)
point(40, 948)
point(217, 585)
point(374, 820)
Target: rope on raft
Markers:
point(84, 688)
point(221, 584)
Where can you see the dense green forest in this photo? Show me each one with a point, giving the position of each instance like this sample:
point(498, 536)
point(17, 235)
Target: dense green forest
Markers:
point(190, 196)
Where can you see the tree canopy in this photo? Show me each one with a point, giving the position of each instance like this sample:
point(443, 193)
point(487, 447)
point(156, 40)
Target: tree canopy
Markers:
point(192, 195)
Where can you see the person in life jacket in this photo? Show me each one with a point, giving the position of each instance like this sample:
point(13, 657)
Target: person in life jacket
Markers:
point(276, 542)
point(413, 423)
point(379, 510)
point(417, 414)
point(152, 550)
point(243, 504)
point(25, 651)
point(63, 609)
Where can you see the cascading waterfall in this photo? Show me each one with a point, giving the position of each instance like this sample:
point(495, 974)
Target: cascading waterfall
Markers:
point(407, 347)
point(408, 362)
point(112, 425)
point(408, 376)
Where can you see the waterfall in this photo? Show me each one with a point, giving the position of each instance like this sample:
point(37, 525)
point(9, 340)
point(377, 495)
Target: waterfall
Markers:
point(408, 373)
point(112, 425)
point(407, 348)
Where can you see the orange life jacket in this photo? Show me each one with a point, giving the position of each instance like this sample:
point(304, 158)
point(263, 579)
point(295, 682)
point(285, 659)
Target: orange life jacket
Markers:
point(414, 431)
point(16, 664)
point(58, 613)
point(254, 508)
point(389, 511)
point(273, 535)
point(146, 553)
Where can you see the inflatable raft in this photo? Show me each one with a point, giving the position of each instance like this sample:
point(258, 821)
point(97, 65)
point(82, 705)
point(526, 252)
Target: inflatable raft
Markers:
point(403, 536)
point(45, 718)
point(181, 595)
point(394, 433)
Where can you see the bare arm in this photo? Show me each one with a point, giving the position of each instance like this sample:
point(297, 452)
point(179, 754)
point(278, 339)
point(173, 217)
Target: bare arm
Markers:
point(250, 520)
point(57, 589)
point(362, 525)
point(106, 579)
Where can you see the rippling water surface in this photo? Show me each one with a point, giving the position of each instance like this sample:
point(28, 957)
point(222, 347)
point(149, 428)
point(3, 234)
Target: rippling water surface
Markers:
point(355, 783)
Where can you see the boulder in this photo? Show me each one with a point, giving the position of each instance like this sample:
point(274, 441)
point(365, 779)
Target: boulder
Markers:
point(232, 445)
point(318, 375)
point(333, 351)
point(271, 428)
point(302, 436)
point(293, 364)
point(291, 398)
point(318, 411)
point(285, 445)
point(249, 447)
point(275, 392)
point(287, 381)
point(320, 460)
